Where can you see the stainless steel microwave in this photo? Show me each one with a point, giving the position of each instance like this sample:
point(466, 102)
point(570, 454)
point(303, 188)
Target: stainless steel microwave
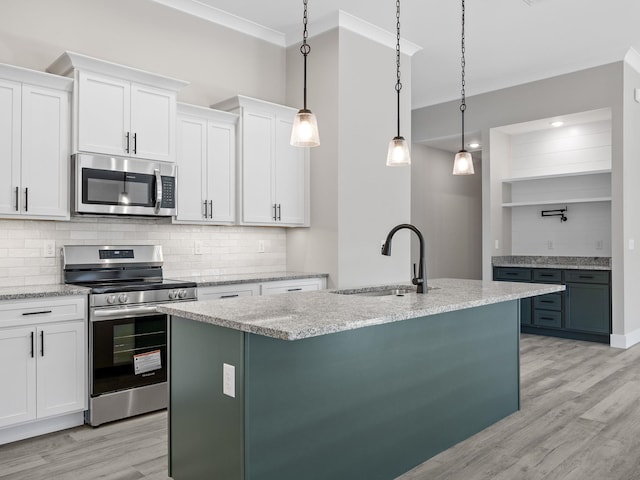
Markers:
point(109, 185)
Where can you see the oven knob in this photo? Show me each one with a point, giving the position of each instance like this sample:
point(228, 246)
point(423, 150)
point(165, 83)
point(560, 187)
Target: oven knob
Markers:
point(111, 299)
point(123, 298)
point(182, 293)
point(172, 295)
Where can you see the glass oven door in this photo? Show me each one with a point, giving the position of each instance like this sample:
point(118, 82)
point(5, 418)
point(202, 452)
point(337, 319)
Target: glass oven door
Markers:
point(105, 187)
point(127, 353)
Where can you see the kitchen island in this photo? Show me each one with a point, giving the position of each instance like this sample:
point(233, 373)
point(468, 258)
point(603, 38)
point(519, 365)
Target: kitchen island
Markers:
point(322, 385)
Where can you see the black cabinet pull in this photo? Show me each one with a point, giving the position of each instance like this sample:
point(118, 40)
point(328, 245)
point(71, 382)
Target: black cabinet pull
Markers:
point(547, 301)
point(206, 207)
point(127, 137)
point(210, 208)
point(586, 276)
point(42, 343)
point(230, 296)
point(294, 290)
point(17, 197)
point(135, 143)
point(41, 312)
point(511, 273)
point(32, 345)
point(546, 275)
point(546, 318)
point(26, 199)
point(279, 212)
point(275, 217)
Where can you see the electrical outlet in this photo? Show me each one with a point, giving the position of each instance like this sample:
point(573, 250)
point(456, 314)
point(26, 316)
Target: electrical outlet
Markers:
point(550, 244)
point(632, 244)
point(229, 380)
point(599, 244)
point(197, 247)
point(49, 248)
point(497, 244)
point(260, 246)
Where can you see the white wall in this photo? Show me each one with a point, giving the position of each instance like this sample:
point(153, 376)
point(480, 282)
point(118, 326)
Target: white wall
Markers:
point(448, 211)
point(355, 198)
point(219, 62)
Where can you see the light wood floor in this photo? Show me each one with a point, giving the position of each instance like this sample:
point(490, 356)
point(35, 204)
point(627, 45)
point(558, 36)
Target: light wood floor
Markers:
point(580, 420)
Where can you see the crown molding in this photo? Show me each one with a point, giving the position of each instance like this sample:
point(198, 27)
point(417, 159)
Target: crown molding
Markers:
point(220, 17)
point(632, 58)
point(342, 19)
point(338, 19)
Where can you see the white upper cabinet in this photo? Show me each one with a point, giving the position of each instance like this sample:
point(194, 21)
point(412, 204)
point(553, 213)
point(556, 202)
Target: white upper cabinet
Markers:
point(207, 161)
point(34, 144)
point(274, 176)
point(120, 110)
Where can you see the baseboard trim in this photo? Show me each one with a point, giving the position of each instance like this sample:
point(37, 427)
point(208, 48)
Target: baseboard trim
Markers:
point(625, 341)
point(40, 427)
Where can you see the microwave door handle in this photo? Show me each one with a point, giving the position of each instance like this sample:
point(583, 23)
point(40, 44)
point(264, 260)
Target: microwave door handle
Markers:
point(156, 208)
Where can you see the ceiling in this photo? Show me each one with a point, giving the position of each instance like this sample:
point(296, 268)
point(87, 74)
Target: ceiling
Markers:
point(508, 42)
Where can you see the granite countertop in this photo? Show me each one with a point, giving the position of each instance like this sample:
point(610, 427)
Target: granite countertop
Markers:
point(40, 291)
point(215, 280)
point(295, 316)
point(577, 263)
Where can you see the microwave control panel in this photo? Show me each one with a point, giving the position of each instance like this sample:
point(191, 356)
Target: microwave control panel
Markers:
point(168, 192)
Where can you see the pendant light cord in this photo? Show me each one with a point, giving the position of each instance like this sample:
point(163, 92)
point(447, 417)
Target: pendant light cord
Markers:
point(305, 48)
point(463, 104)
point(398, 83)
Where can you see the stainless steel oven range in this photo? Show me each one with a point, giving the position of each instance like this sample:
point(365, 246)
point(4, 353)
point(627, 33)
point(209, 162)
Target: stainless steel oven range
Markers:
point(127, 337)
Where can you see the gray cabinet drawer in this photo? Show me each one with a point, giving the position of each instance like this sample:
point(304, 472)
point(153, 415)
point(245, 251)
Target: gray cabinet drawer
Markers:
point(547, 318)
point(512, 274)
point(552, 301)
point(547, 276)
point(586, 276)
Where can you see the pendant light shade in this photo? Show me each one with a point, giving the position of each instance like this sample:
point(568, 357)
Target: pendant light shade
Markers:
point(304, 132)
point(463, 162)
point(398, 154)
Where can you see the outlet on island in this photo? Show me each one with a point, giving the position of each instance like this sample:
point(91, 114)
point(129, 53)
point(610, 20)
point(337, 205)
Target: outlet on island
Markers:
point(260, 246)
point(197, 247)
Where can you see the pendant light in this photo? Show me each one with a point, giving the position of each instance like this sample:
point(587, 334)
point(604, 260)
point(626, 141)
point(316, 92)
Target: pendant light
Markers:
point(463, 163)
point(398, 154)
point(305, 127)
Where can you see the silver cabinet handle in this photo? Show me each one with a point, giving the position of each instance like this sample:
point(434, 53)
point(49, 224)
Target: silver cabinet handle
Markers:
point(122, 312)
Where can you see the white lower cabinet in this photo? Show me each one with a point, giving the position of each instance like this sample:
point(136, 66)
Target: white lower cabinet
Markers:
point(290, 286)
point(42, 360)
point(228, 291)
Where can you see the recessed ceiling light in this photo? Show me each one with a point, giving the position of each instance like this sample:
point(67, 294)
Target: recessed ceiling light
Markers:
point(474, 145)
point(557, 123)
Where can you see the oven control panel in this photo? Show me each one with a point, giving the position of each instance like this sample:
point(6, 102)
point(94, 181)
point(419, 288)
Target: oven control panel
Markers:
point(142, 297)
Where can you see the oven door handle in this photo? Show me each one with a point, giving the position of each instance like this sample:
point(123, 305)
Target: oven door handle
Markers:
point(114, 313)
point(156, 207)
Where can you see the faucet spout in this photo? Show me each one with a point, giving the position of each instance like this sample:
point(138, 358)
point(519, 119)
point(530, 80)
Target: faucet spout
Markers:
point(419, 279)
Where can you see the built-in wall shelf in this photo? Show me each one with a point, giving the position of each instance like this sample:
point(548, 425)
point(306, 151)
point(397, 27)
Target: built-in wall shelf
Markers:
point(557, 202)
point(558, 175)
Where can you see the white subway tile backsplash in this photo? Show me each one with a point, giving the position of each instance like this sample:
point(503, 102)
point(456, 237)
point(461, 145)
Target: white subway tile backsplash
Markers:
point(225, 250)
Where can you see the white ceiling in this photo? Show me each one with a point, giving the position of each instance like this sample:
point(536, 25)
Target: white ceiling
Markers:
point(509, 42)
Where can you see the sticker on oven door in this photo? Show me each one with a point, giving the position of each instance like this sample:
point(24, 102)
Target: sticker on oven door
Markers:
point(147, 362)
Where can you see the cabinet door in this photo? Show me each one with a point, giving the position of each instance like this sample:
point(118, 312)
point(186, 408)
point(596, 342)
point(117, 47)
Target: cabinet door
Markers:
point(588, 308)
point(104, 114)
point(192, 169)
point(290, 176)
point(61, 368)
point(17, 375)
point(10, 125)
point(153, 113)
point(258, 131)
point(221, 161)
point(45, 152)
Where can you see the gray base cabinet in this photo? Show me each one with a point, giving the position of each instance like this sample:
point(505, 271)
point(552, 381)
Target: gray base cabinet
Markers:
point(582, 312)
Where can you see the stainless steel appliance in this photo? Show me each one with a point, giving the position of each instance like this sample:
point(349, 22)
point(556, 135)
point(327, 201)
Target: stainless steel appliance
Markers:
point(122, 186)
point(127, 337)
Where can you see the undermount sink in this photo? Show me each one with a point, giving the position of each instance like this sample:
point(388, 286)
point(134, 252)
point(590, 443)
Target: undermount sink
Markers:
point(379, 291)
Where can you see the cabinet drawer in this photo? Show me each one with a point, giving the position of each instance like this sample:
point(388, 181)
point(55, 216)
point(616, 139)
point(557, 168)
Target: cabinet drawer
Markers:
point(547, 276)
point(586, 276)
point(547, 318)
point(512, 274)
point(307, 285)
point(551, 301)
point(42, 310)
point(228, 291)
